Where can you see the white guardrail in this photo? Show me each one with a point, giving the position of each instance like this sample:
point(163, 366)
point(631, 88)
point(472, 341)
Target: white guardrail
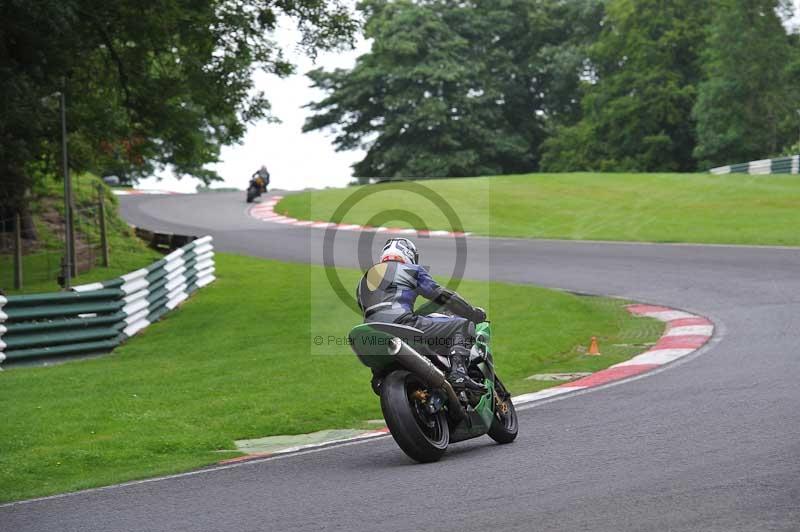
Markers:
point(97, 317)
point(781, 165)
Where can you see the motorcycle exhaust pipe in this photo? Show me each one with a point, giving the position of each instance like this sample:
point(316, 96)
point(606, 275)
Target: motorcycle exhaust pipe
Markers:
point(425, 370)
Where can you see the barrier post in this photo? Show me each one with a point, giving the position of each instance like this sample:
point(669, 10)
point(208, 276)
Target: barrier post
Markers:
point(17, 251)
point(69, 242)
point(103, 235)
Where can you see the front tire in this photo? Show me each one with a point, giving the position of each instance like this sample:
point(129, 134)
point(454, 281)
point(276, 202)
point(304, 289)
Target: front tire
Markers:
point(251, 194)
point(422, 436)
point(504, 425)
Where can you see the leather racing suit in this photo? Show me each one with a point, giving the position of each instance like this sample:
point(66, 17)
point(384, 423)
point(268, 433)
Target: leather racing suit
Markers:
point(387, 292)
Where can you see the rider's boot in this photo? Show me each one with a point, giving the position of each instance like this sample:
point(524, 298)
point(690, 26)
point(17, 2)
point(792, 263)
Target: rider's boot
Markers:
point(458, 378)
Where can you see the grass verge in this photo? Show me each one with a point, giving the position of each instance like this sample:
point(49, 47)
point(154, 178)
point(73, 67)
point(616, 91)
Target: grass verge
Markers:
point(700, 208)
point(235, 362)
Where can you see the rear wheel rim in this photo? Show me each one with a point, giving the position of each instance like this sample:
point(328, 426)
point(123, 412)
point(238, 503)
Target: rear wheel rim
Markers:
point(433, 426)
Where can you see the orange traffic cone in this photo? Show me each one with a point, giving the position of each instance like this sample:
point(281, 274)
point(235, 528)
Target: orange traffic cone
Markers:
point(594, 349)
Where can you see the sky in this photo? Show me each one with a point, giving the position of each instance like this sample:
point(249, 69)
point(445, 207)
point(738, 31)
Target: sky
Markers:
point(295, 160)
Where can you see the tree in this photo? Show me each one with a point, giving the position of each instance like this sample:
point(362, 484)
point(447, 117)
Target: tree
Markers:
point(791, 122)
point(638, 102)
point(456, 88)
point(748, 101)
point(165, 82)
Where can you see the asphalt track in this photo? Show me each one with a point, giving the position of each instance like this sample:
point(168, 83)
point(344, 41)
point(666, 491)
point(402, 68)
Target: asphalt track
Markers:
point(709, 444)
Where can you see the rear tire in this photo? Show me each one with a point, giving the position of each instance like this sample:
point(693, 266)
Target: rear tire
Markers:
point(423, 437)
point(504, 425)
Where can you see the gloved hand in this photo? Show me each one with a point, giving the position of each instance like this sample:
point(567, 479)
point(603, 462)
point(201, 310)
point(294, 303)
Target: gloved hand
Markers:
point(478, 315)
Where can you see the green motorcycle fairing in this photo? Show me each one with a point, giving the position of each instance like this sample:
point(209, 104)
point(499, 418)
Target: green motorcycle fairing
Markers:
point(479, 417)
point(483, 337)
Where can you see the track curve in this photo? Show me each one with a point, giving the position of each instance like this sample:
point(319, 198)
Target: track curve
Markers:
point(710, 444)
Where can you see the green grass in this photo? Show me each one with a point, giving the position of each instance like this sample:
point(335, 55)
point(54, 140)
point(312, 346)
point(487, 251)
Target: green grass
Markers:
point(702, 208)
point(236, 361)
point(40, 268)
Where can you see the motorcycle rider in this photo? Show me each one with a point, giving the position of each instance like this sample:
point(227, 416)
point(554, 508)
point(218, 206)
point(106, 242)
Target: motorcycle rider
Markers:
point(387, 291)
point(263, 174)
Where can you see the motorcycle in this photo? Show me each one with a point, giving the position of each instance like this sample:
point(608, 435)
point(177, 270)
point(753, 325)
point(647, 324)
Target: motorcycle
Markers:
point(257, 187)
point(422, 411)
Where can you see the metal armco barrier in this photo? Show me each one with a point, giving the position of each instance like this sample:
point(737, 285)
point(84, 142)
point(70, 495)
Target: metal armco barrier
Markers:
point(782, 165)
point(99, 316)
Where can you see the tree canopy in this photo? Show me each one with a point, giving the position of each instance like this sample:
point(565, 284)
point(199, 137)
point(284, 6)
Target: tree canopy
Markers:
point(469, 87)
point(165, 82)
point(455, 88)
point(637, 109)
point(449, 87)
point(748, 100)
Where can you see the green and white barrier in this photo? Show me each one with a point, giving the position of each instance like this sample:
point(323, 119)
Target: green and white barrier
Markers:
point(781, 165)
point(99, 316)
point(3, 328)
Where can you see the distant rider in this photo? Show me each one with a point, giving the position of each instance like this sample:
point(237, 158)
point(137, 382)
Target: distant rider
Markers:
point(387, 293)
point(262, 178)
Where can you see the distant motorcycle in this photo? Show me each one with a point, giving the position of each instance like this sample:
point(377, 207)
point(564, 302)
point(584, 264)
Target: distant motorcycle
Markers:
point(257, 187)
